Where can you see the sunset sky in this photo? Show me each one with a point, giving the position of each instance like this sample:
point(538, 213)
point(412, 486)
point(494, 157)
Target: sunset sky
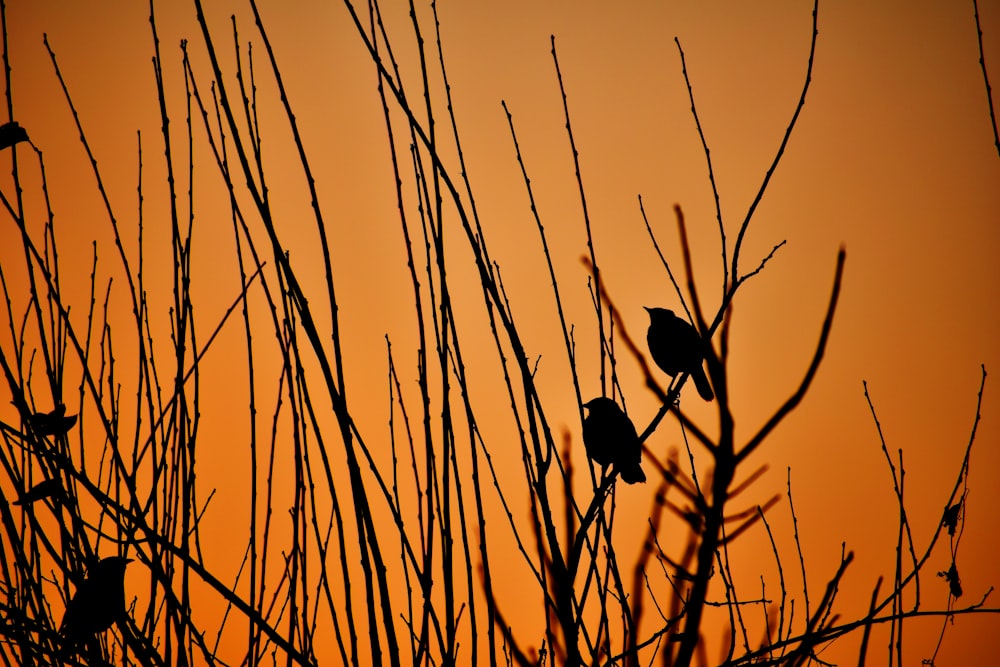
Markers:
point(892, 158)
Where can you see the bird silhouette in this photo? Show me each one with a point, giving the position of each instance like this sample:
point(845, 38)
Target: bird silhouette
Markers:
point(11, 133)
point(611, 439)
point(99, 602)
point(49, 488)
point(677, 347)
point(52, 423)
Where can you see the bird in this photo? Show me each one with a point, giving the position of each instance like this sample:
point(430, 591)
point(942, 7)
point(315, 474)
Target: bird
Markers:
point(52, 423)
point(610, 438)
point(99, 602)
point(12, 133)
point(49, 488)
point(677, 347)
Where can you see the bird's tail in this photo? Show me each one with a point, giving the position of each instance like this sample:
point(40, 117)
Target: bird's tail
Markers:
point(632, 474)
point(701, 382)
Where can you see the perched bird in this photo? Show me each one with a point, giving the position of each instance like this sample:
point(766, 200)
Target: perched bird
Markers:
point(52, 423)
point(677, 347)
point(99, 602)
point(49, 488)
point(610, 439)
point(11, 133)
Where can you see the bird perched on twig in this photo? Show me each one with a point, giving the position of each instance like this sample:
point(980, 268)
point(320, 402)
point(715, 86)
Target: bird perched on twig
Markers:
point(99, 602)
point(49, 488)
point(677, 347)
point(610, 438)
point(52, 423)
point(12, 133)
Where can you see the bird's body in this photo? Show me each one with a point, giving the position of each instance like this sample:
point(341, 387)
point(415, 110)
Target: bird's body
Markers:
point(12, 133)
point(611, 439)
point(49, 488)
point(52, 423)
point(676, 347)
point(98, 603)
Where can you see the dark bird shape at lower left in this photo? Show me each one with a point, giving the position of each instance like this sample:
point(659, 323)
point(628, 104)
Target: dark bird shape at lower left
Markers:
point(99, 602)
point(52, 423)
point(611, 439)
point(12, 133)
point(50, 488)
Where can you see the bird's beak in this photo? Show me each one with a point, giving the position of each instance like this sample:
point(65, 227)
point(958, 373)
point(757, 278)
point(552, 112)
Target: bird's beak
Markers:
point(648, 309)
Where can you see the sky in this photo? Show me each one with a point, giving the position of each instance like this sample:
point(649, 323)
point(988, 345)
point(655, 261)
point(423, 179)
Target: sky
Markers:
point(892, 159)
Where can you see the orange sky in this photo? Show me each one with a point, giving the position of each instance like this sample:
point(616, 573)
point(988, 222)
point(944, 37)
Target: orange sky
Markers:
point(892, 158)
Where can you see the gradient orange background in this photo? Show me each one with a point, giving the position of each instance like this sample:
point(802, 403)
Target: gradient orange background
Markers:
point(893, 158)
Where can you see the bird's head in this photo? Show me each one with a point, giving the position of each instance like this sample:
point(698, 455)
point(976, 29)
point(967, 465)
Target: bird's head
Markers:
point(600, 403)
point(659, 314)
point(113, 565)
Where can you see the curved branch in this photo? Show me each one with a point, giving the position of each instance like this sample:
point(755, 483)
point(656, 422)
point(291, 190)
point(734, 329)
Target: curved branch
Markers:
point(795, 398)
point(781, 149)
